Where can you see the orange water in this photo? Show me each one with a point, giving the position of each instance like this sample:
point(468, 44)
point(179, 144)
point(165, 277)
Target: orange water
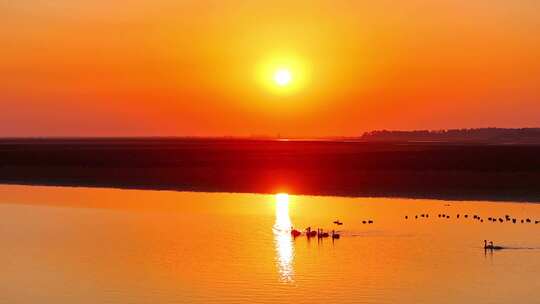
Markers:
point(80, 245)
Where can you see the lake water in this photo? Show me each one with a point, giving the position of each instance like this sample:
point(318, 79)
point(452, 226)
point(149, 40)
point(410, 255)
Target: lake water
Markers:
point(81, 245)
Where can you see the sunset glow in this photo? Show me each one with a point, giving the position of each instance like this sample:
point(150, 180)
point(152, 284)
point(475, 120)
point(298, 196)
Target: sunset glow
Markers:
point(180, 64)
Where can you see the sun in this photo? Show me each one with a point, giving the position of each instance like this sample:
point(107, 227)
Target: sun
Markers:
point(282, 77)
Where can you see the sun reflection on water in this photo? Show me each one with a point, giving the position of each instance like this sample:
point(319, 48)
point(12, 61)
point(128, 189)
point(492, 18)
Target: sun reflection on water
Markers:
point(283, 239)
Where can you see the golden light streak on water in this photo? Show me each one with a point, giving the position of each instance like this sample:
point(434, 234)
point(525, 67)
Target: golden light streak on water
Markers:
point(283, 239)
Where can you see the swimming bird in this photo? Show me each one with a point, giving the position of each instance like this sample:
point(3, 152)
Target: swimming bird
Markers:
point(364, 222)
point(492, 247)
point(501, 220)
point(528, 220)
point(295, 233)
point(406, 217)
point(335, 235)
point(337, 222)
point(514, 221)
point(310, 233)
point(370, 222)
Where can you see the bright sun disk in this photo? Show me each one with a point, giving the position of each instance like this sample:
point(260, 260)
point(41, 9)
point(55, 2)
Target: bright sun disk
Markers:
point(282, 77)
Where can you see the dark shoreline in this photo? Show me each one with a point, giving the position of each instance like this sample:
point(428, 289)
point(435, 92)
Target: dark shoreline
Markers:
point(334, 168)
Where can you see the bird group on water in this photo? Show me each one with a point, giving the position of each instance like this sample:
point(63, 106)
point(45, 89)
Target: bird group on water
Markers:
point(320, 233)
point(493, 219)
point(487, 245)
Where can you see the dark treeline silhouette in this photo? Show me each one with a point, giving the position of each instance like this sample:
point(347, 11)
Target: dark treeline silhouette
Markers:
point(483, 135)
point(345, 168)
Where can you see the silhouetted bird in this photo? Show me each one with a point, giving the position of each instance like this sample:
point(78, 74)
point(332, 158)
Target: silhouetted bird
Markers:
point(363, 222)
point(514, 221)
point(370, 222)
point(466, 216)
point(295, 233)
point(501, 220)
point(322, 234)
point(491, 246)
point(528, 220)
point(406, 217)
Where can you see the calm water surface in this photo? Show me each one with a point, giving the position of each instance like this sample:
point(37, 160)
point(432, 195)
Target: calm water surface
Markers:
point(80, 245)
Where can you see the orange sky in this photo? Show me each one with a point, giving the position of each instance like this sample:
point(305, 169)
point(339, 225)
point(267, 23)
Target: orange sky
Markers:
point(165, 67)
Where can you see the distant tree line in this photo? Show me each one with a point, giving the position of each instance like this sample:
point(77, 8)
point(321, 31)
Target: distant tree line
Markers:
point(481, 135)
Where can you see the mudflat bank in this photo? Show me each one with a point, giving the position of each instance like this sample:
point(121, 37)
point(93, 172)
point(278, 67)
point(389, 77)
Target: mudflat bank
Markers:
point(343, 168)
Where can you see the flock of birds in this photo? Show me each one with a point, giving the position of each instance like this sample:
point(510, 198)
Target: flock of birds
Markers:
point(487, 245)
point(320, 233)
point(506, 218)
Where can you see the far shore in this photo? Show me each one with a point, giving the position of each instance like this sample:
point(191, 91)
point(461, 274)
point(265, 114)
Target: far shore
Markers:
point(333, 168)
